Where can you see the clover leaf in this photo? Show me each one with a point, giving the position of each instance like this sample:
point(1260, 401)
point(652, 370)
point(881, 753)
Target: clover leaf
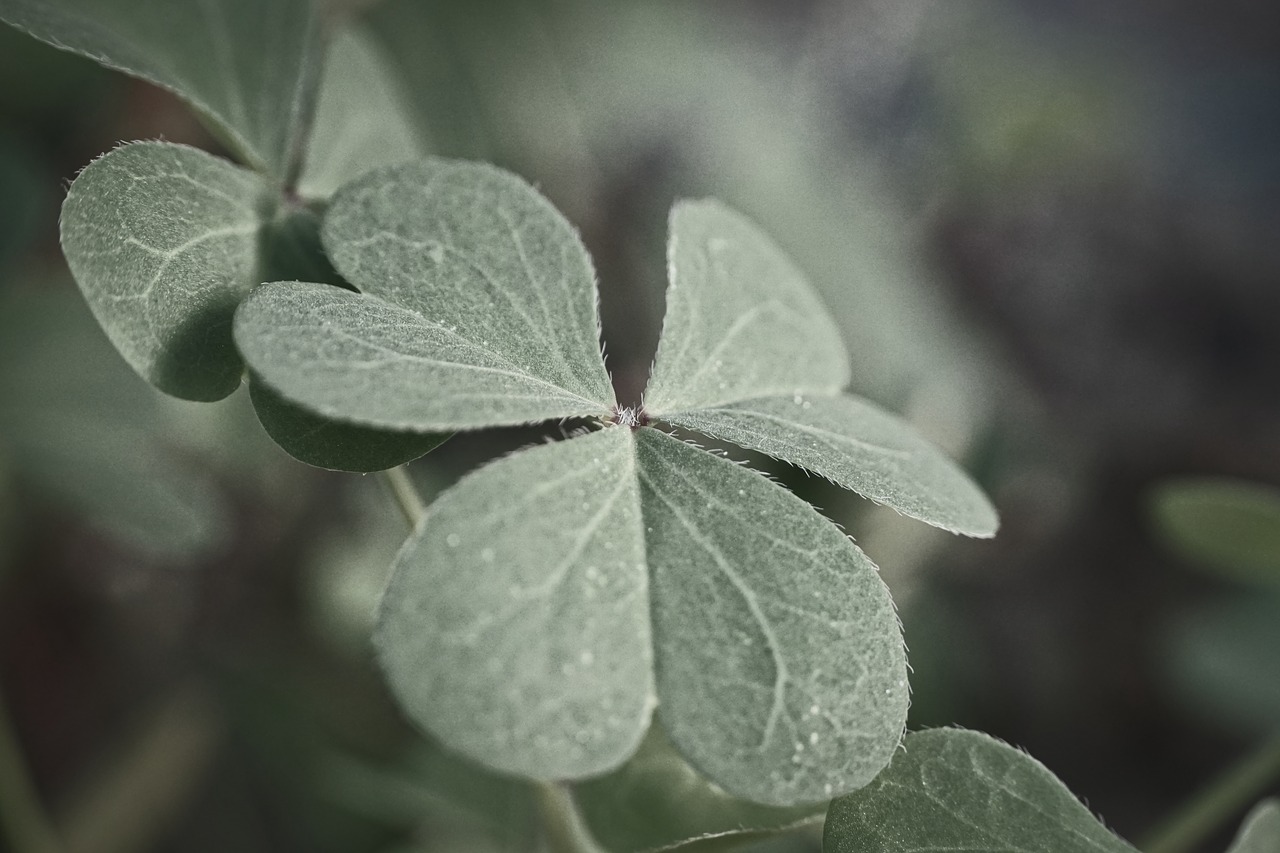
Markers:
point(552, 599)
point(164, 240)
point(951, 789)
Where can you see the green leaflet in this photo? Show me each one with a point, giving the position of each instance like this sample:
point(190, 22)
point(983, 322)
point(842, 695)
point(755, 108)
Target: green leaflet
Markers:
point(742, 321)
point(249, 66)
point(1230, 526)
point(951, 789)
point(857, 446)
point(478, 308)
point(656, 801)
point(361, 120)
point(1261, 830)
point(335, 445)
point(162, 240)
point(515, 627)
point(780, 664)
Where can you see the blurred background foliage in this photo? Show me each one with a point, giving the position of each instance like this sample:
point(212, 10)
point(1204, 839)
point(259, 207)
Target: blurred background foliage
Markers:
point(1047, 229)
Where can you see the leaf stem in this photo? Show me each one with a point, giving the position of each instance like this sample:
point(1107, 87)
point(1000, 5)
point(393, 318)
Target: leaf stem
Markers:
point(562, 825)
point(22, 819)
point(1231, 792)
point(405, 494)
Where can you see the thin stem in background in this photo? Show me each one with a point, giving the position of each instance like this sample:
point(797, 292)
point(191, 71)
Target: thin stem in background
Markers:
point(1227, 795)
point(23, 820)
point(405, 494)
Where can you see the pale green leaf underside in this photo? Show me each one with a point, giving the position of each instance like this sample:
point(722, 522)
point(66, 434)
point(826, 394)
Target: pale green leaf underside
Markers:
point(859, 447)
point(335, 445)
point(951, 789)
point(485, 257)
point(162, 240)
point(1261, 830)
point(741, 320)
point(780, 664)
point(1232, 526)
point(361, 120)
point(363, 360)
point(515, 627)
point(249, 65)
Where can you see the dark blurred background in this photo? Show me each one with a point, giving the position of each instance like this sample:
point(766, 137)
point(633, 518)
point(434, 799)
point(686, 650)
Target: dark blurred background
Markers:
point(1050, 231)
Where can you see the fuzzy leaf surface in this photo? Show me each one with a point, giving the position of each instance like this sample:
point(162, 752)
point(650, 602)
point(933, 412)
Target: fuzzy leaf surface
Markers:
point(952, 789)
point(335, 445)
point(741, 321)
point(656, 801)
point(249, 66)
point(515, 627)
point(1260, 832)
point(162, 240)
point(780, 662)
point(859, 447)
point(362, 117)
point(478, 308)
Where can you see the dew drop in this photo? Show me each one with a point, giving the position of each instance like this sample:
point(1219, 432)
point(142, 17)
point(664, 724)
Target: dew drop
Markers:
point(587, 657)
point(486, 554)
point(814, 710)
point(827, 789)
point(452, 540)
point(813, 738)
point(797, 399)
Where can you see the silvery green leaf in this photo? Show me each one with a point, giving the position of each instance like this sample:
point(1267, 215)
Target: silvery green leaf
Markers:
point(741, 322)
point(950, 789)
point(857, 446)
point(361, 120)
point(335, 445)
point(162, 240)
point(478, 308)
point(515, 627)
point(1261, 830)
point(249, 66)
point(780, 663)
point(656, 801)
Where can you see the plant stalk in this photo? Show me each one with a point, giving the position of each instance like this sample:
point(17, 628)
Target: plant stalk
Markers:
point(23, 821)
point(405, 494)
point(1230, 793)
point(562, 825)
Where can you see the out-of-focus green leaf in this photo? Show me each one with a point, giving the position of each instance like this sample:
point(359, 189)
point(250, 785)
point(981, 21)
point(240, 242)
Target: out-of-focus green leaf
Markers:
point(859, 447)
point(951, 789)
point(657, 801)
point(477, 308)
point(249, 66)
point(335, 445)
point(162, 240)
point(1229, 526)
point(1260, 832)
point(742, 322)
point(1222, 661)
point(515, 627)
point(362, 119)
point(781, 670)
point(81, 428)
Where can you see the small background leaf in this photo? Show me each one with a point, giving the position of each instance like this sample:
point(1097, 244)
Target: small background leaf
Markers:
point(656, 801)
point(951, 789)
point(335, 445)
point(859, 447)
point(362, 117)
point(249, 66)
point(1261, 830)
point(781, 670)
point(515, 627)
point(162, 240)
point(1226, 526)
point(741, 320)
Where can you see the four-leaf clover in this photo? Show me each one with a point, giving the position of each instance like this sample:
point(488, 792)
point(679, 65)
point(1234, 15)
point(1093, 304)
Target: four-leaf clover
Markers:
point(553, 599)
